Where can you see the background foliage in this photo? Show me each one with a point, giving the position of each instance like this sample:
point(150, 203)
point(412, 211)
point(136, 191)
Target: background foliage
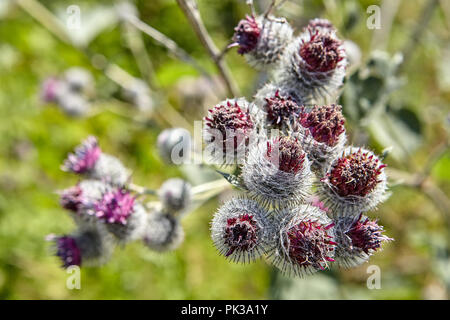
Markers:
point(35, 138)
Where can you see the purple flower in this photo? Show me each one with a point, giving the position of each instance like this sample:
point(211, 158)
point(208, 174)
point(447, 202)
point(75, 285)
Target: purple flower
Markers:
point(325, 123)
point(262, 40)
point(287, 153)
point(241, 233)
point(322, 52)
point(232, 115)
point(280, 110)
point(228, 129)
point(304, 241)
point(356, 174)
point(358, 239)
point(277, 172)
point(67, 250)
point(115, 207)
point(49, 89)
point(367, 234)
point(84, 158)
point(72, 198)
point(240, 230)
point(310, 244)
point(314, 66)
point(246, 35)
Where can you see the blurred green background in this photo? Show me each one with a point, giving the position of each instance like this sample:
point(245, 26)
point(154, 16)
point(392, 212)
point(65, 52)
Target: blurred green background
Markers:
point(412, 115)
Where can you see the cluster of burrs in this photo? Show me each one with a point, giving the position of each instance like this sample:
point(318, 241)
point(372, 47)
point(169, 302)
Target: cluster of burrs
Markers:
point(304, 191)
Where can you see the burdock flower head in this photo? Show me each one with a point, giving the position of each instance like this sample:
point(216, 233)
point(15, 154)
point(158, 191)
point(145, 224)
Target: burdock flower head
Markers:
point(175, 195)
point(90, 161)
point(355, 182)
point(228, 129)
point(357, 240)
point(72, 198)
point(163, 232)
point(84, 158)
point(246, 34)
point(88, 246)
point(81, 198)
point(115, 207)
point(279, 105)
point(277, 172)
point(314, 64)
point(123, 216)
point(304, 241)
point(322, 133)
point(67, 250)
point(322, 52)
point(262, 40)
point(240, 230)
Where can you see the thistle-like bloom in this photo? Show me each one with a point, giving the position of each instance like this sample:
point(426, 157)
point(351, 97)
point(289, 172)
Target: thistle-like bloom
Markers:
point(89, 160)
point(304, 241)
point(175, 195)
point(72, 198)
point(247, 34)
point(357, 240)
point(80, 199)
point(277, 172)
point(314, 65)
point(163, 232)
point(280, 106)
point(123, 216)
point(228, 129)
point(115, 207)
point(84, 158)
point(322, 133)
point(67, 250)
point(262, 40)
point(355, 182)
point(90, 246)
point(321, 52)
point(240, 230)
point(174, 145)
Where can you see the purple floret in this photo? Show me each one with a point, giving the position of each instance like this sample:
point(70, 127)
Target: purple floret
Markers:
point(84, 158)
point(115, 207)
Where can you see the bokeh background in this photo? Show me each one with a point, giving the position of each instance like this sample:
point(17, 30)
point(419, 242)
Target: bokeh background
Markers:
point(388, 103)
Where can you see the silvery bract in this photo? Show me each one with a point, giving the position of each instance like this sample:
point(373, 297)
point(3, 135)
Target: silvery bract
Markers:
point(240, 230)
